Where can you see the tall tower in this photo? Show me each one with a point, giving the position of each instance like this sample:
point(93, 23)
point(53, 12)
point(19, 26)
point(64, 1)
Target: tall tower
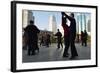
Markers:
point(52, 24)
point(27, 15)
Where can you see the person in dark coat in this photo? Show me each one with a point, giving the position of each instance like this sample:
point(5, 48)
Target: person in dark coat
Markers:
point(82, 37)
point(42, 41)
point(48, 40)
point(59, 39)
point(66, 35)
point(85, 37)
point(72, 34)
point(32, 32)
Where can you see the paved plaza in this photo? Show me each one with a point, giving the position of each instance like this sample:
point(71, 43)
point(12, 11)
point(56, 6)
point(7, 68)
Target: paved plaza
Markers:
point(53, 54)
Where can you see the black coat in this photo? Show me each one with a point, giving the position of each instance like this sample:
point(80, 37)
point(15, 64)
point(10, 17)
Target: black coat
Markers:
point(32, 32)
point(59, 35)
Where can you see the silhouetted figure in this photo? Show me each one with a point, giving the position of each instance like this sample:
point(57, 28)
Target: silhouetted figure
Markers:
point(66, 35)
point(82, 37)
point(72, 34)
point(85, 38)
point(59, 39)
point(32, 32)
point(42, 41)
point(47, 40)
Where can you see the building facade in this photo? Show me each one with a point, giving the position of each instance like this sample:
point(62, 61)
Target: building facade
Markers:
point(27, 15)
point(52, 24)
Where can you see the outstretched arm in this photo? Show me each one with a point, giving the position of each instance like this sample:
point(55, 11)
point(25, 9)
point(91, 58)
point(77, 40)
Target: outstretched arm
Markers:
point(56, 34)
point(38, 31)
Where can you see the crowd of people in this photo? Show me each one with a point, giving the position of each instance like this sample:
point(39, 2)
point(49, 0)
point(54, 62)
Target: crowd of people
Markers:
point(45, 40)
point(31, 33)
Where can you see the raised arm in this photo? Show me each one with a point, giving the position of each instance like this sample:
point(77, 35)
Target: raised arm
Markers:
point(70, 18)
point(64, 25)
point(63, 19)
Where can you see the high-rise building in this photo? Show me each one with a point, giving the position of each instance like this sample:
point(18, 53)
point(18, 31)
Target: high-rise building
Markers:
point(27, 15)
point(52, 24)
point(89, 26)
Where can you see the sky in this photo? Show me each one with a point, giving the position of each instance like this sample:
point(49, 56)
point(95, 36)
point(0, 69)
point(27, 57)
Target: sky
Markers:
point(42, 18)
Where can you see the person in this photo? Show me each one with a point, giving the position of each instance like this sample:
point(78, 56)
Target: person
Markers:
point(32, 32)
point(59, 39)
point(85, 37)
point(72, 34)
point(66, 35)
point(48, 40)
point(42, 41)
point(82, 37)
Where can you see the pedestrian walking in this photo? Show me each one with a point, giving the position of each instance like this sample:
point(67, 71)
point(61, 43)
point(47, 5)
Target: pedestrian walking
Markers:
point(59, 39)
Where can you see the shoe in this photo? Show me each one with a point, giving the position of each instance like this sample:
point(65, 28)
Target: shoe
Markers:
point(33, 54)
point(29, 54)
point(58, 48)
point(65, 55)
point(73, 57)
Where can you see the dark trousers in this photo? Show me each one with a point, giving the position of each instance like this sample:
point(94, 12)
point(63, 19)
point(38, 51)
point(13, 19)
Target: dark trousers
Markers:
point(32, 46)
point(47, 43)
point(72, 43)
point(41, 43)
point(59, 43)
point(31, 49)
point(84, 42)
point(66, 43)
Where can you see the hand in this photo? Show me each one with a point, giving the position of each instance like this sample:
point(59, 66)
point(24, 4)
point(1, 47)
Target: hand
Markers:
point(62, 13)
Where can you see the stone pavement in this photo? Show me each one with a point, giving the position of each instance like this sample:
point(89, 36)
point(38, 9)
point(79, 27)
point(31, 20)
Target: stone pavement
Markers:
point(53, 54)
